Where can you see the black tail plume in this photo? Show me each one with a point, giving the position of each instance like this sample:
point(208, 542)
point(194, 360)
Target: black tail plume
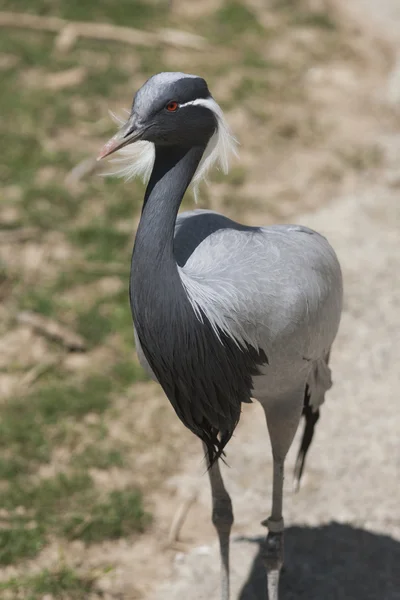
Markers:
point(311, 418)
point(215, 445)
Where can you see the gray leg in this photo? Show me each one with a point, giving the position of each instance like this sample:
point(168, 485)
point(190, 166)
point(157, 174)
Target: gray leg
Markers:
point(273, 548)
point(283, 417)
point(222, 518)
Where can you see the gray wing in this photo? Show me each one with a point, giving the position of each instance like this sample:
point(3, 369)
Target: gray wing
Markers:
point(193, 227)
point(276, 288)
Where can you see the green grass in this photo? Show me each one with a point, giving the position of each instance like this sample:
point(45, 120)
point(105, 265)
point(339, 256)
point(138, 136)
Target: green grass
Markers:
point(23, 433)
point(235, 18)
point(120, 318)
point(123, 208)
point(67, 505)
point(132, 13)
point(100, 242)
point(94, 456)
point(45, 503)
point(56, 401)
point(19, 541)
point(44, 205)
point(48, 496)
point(32, 428)
point(25, 427)
point(39, 300)
point(93, 325)
point(11, 467)
point(252, 58)
point(61, 583)
point(249, 87)
point(126, 372)
point(120, 515)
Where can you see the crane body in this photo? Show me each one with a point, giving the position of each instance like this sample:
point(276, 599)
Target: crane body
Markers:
point(224, 312)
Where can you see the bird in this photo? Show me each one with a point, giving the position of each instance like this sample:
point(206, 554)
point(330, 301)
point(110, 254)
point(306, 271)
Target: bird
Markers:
point(223, 313)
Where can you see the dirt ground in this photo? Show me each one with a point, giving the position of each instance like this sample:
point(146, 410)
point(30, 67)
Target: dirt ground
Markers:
point(343, 527)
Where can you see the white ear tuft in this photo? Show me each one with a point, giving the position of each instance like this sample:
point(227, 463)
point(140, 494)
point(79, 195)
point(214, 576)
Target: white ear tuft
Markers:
point(220, 147)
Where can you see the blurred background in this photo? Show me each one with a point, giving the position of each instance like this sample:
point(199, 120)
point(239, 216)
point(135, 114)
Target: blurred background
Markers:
point(87, 444)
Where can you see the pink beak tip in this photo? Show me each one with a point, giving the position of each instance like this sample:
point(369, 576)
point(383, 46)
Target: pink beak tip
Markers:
point(103, 153)
point(109, 147)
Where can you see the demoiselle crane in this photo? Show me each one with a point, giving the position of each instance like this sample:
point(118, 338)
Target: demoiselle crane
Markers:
point(223, 312)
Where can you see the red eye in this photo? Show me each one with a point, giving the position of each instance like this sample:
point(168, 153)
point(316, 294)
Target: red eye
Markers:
point(172, 106)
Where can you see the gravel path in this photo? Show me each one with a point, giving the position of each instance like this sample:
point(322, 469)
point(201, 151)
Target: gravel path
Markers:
point(343, 527)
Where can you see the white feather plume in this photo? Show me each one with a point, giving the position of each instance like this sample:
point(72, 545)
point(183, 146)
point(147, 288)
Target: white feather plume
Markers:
point(137, 159)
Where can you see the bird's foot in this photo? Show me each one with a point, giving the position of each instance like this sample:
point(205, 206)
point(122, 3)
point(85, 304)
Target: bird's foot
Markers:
point(273, 551)
point(273, 556)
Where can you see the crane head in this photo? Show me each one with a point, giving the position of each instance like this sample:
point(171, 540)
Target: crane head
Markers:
point(172, 109)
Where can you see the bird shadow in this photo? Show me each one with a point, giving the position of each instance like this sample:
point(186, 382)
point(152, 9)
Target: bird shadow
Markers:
point(332, 562)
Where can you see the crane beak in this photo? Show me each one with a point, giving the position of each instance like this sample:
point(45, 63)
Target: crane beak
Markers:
point(129, 133)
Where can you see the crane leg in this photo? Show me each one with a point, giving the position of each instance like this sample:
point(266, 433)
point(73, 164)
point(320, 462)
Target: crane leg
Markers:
point(273, 546)
point(222, 518)
point(283, 417)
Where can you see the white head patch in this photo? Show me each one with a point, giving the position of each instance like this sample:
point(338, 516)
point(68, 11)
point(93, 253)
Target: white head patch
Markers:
point(137, 159)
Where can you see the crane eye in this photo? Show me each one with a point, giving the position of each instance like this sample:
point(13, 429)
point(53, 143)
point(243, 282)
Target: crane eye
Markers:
point(172, 106)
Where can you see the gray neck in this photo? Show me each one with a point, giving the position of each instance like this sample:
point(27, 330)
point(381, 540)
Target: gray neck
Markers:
point(173, 171)
point(154, 272)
